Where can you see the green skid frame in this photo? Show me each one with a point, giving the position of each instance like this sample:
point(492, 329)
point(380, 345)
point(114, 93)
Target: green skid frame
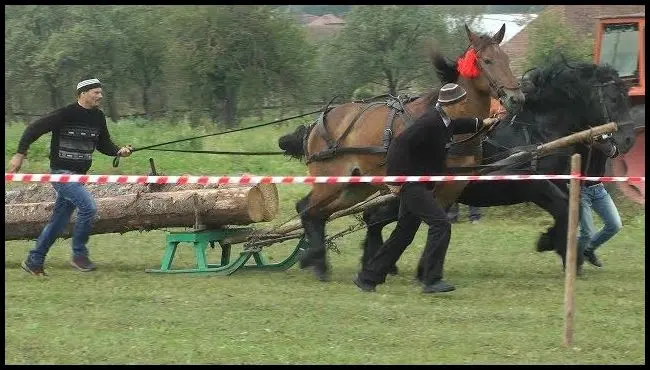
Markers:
point(203, 239)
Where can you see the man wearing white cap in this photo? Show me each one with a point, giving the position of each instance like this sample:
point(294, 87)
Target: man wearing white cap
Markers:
point(77, 130)
point(421, 150)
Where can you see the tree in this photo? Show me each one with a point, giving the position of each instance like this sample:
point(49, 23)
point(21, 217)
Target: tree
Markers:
point(229, 52)
point(32, 64)
point(386, 45)
point(144, 47)
point(551, 35)
point(508, 9)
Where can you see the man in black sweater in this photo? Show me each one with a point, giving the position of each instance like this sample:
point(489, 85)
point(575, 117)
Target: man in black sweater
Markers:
point(77, 130)
point(421, 150)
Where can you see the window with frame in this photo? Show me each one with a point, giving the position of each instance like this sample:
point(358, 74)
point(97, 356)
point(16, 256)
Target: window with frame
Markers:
point(620, 48)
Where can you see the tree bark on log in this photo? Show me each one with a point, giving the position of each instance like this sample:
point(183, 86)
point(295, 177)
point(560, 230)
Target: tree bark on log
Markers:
point(240, 205)
point(37, 193)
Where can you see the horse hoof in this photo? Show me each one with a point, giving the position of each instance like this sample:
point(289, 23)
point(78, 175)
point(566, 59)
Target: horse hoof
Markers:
point(320, 274)
point(544, 243)
point(393, 270)
point(306, 260)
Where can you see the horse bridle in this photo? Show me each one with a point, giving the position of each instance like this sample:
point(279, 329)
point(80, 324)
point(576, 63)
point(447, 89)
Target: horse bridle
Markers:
point(499, 89)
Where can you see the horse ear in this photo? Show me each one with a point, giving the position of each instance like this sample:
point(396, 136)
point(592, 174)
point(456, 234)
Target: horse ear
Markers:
point(498, 37)
point(471, 36)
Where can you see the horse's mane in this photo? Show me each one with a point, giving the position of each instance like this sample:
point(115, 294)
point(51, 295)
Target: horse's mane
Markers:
point(560, 96)
point(447, 72)
point(567, 86)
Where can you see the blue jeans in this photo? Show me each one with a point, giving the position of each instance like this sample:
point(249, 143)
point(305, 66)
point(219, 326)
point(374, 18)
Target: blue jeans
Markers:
point(68, 197)
point(454, 211)
point(597, 197)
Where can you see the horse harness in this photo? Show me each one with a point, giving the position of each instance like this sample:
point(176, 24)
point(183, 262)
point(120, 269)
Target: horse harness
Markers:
point(467, 146)
point(397, 108)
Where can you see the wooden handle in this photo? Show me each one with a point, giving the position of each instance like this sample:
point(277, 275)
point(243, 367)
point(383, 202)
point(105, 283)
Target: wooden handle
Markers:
point(578, 136)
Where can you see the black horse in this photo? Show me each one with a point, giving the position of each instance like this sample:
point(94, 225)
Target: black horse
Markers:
point(561, 98)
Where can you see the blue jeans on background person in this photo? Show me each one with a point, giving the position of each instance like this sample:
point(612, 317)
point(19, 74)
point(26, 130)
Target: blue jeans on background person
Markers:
point(454, 211)
point(597, 197)
point(68, 197)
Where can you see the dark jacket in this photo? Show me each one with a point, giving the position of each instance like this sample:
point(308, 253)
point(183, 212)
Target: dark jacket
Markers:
point(421, 150)
point(76, 133)
point(594, 161)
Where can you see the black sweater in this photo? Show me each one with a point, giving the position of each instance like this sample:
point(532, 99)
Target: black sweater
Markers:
point(89, 132)
point(421, 149)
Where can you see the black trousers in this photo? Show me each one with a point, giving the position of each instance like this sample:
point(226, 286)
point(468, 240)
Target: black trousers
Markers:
point(417, 204)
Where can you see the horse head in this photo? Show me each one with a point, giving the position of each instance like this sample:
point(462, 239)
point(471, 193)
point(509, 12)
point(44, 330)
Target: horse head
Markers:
point(485, 55)
point(562, 99)
point(592, 94)
point(610, 103)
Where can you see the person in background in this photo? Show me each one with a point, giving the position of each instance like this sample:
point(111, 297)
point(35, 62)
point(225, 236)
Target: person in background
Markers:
point(594, 195)
point(474, 213)
point(77, 130)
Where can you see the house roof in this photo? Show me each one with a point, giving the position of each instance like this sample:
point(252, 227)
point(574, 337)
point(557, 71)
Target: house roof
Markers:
point(322, 27)
point(307, 18)
point(491, 23)
point(325, 20)
point(634, 15)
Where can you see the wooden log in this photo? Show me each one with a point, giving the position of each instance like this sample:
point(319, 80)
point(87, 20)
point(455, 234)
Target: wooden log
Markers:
point(147, 211)
point(36, 193)
point(269, 196)
point(584, 135)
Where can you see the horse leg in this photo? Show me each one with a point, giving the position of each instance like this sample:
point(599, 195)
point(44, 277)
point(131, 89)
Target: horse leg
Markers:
point(314, 225)
point(376, 218)
point(555, 201)
point(315, 209)
point(543, 193)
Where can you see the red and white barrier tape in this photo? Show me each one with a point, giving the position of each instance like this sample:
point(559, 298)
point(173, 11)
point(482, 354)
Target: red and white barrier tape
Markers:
point(243, 180)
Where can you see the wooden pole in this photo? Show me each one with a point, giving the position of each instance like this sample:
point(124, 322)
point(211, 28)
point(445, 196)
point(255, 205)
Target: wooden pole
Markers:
point(571, 253)
point(584, 135)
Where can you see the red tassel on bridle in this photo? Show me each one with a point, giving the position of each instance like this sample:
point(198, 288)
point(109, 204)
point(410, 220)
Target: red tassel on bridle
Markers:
point(468, 64)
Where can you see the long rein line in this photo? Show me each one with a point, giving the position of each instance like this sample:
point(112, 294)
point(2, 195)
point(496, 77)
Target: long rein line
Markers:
point(116, 160)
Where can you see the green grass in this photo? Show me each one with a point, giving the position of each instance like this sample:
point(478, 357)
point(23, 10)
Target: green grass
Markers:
point(508, 307)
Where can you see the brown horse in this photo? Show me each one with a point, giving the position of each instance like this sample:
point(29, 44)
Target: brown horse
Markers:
point(346, 139)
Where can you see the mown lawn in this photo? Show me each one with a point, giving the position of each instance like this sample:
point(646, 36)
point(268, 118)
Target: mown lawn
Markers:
point(508, 307)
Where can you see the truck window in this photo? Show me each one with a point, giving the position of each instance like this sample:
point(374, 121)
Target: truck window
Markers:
point(620, 49)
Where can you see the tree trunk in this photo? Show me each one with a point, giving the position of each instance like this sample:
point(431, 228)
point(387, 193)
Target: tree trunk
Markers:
point(230, 107)
point(392, 84)
point(145, 102)
point(211, 208)
point(146, 105)
point(112, 104)
point(54, 92)
point(38, 193)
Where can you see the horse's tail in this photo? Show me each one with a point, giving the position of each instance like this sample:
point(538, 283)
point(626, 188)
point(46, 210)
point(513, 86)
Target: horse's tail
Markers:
point(292, 143)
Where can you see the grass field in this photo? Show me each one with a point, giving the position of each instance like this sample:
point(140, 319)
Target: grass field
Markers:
point(508, 308)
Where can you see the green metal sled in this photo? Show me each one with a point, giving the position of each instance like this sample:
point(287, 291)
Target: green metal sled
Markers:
point(203, 239)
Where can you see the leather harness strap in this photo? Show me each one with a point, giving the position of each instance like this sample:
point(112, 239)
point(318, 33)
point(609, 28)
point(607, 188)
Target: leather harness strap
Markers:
point(396, 106)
